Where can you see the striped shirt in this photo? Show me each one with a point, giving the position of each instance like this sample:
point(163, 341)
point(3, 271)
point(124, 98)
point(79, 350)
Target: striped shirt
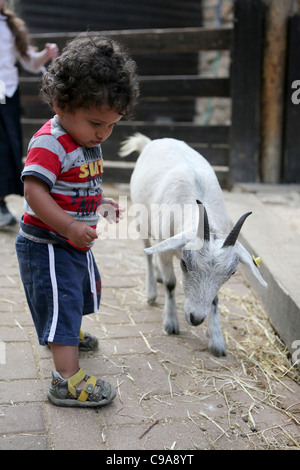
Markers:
point(73, 173)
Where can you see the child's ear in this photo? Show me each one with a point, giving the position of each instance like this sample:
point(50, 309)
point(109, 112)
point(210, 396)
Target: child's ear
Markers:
point(57, 109)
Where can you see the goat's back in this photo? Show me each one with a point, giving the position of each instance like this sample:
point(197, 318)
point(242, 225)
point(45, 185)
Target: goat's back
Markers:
point(170, 165)
point(167, 153)
point(168, 171)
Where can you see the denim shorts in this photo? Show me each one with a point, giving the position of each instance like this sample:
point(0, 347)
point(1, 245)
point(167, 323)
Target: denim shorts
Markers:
point(61, 286)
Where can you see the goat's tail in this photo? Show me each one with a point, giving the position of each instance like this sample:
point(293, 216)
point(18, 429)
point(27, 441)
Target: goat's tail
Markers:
point(135, 143)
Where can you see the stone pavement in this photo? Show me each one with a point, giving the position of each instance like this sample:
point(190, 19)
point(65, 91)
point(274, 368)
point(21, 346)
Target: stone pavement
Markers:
point(172, 394)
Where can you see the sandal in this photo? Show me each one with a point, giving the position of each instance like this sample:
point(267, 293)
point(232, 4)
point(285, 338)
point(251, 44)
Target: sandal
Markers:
point(87, 342)
point(67, 392)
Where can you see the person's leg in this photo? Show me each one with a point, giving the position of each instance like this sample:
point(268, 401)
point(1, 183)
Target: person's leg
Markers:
point(65, 359)
point(11, 156)
point(11, 147)
point(6, 217)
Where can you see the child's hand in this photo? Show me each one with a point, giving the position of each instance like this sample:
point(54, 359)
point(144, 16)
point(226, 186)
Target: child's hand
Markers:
point(111, 210)
point(81, 234)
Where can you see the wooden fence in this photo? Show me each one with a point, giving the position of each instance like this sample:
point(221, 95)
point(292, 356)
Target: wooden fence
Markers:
point(232, 149)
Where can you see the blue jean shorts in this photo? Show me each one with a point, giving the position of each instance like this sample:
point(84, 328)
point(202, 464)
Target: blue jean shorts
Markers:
point(61, 286)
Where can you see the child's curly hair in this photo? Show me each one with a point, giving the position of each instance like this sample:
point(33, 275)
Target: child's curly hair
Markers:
point(91, 71)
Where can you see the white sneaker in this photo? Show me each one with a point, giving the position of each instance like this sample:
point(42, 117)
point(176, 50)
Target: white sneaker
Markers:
point(6, 217)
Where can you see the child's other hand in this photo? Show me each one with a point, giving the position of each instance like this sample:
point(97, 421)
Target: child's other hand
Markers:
point(81, 234)
point(111, 210)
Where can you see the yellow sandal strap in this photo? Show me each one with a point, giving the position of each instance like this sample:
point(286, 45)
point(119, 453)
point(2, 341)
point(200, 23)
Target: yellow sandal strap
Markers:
point(87, 389)
point(81, 335)
point(74, 381)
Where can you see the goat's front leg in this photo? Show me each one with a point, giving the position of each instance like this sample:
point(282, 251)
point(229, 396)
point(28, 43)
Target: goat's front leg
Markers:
point(151, 290)
point(170, 321)
point(216, 340)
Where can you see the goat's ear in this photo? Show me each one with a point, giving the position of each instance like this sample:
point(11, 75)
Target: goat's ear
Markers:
point(173, 243)
point(246, 258)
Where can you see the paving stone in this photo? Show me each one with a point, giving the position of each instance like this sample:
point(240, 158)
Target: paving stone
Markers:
point(149, 376)
point(162, 436)
point(23, 391)
point(127, 407)
point(20, 362)
point(22, 419)
point(28, 442)
point(76, 429)
point(14, 333)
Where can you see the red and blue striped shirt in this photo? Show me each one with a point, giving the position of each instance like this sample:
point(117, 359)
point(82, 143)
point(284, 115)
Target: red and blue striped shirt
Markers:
point(73, 173)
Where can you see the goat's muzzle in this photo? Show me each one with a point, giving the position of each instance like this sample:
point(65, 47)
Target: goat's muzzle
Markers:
point(194, 321)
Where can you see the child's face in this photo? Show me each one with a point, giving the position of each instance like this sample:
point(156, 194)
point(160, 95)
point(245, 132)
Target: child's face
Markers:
point(89, 127)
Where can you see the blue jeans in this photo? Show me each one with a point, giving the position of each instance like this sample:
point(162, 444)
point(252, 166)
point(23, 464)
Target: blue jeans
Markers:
point(61, 286)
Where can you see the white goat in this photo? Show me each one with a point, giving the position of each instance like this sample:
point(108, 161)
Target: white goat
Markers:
point(169, 173)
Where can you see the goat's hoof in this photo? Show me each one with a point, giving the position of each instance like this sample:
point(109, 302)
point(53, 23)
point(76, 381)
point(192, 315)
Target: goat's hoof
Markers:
point(218, 352)
point(171, 329)
point(217, 349)
point(217, 346)
point(151, 296)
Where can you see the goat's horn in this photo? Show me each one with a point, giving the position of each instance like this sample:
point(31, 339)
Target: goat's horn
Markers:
point(206, 224)
point(232, 237)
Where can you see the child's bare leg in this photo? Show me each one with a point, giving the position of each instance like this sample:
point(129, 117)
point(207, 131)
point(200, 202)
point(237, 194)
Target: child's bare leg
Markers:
point(65, 359)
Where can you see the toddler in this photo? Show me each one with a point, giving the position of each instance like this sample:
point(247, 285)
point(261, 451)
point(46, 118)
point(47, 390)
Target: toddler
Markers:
point(90, 86)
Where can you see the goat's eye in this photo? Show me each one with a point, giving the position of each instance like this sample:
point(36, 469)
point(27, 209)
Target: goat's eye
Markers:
point(183, 265)
point(233, 273)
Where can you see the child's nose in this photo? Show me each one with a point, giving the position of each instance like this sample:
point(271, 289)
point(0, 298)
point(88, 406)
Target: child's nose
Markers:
point(103, 134)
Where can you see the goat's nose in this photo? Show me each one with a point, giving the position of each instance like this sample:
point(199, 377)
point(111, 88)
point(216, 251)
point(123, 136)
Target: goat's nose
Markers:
point(194, 321)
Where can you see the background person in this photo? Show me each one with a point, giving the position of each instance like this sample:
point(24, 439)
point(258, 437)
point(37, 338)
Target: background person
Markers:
point(14, 47)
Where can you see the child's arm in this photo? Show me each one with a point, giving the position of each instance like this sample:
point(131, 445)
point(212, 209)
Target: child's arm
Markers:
point(36, 193)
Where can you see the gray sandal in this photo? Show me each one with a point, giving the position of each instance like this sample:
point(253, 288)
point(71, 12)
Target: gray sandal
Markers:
point(65, 392)
point(87, 342)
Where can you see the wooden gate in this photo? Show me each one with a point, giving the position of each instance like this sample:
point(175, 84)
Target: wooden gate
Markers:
point(233, 149)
